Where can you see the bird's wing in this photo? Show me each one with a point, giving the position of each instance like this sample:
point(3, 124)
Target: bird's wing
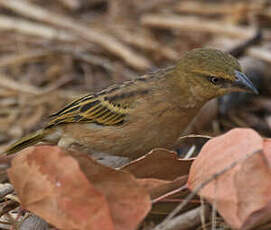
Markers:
point(91, 109)
point(109, 107)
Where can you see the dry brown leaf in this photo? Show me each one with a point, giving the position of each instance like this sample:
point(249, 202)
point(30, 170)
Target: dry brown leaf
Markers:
point(160, 172)
point(72, 191)
point(50, 184)
point(157, 187)
point(263, 215)
point(129, 202)
point(242, 191)
point(160, 164)
point(150, 184)
point(165, 196)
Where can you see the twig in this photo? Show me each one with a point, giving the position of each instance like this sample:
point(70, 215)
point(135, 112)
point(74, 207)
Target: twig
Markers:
point(5, 189)
point(143, 42)
point(266, 12)
point(214, 216)
point(189, 23)
point(190, 152)
point(33, 222)
point(164, 196)
point(200, 186)
point(260, 53)
point(86, 57)
point(83, 31)
point(187, 220)
point(205, 8)
point(152, 5)
point(240, 49)
point(194, 136)
point(71, 4)
point(16, 59)
point(202, 216)
point(36, 29)
point(7, 82)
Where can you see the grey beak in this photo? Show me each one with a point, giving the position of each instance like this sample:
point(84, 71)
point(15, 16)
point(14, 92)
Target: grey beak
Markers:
point(244, 83)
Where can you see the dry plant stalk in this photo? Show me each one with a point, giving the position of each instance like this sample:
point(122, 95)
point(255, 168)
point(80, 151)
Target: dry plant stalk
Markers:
point(82, 31)
point(188, 219)
point(34, 29)
point(189, 23)
point(205, 8)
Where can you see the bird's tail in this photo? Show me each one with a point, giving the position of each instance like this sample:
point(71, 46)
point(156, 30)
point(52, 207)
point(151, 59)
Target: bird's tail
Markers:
point(26, 141)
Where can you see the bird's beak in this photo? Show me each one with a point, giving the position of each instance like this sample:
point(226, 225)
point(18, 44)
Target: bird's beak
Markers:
point(242, 82)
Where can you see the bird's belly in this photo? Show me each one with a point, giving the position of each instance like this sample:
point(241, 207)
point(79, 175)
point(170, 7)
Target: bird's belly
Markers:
point(133, 139)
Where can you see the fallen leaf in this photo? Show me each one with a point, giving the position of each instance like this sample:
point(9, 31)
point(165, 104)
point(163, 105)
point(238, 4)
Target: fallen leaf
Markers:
point(157, 187)
point(160, 164)
point(151, 184)
point(263, 215)
point(160, 172)
point(50, 184)
point(129, 202)
point(243, 190)
point(72, 191)
point(258, 218)
point(164, 201)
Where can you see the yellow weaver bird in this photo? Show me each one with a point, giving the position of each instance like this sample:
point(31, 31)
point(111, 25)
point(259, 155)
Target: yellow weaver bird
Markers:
point(151, 111)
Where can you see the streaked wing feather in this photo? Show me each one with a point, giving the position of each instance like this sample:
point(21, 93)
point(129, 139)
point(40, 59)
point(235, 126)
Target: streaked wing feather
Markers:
point(90, 109)
point(108, 107)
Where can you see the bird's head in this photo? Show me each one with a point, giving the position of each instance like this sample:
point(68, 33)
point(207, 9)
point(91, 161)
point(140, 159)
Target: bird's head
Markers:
point(209, 73)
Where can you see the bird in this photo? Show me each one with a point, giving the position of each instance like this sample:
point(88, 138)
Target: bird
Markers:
point(152, 111)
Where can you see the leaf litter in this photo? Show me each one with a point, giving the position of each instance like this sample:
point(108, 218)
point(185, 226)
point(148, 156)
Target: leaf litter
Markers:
point(78, 46)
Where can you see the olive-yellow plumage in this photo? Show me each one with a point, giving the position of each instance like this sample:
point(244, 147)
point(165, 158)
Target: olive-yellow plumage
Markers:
point(151, 111)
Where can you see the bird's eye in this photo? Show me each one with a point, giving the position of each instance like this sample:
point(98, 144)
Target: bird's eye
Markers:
point(215, 80)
